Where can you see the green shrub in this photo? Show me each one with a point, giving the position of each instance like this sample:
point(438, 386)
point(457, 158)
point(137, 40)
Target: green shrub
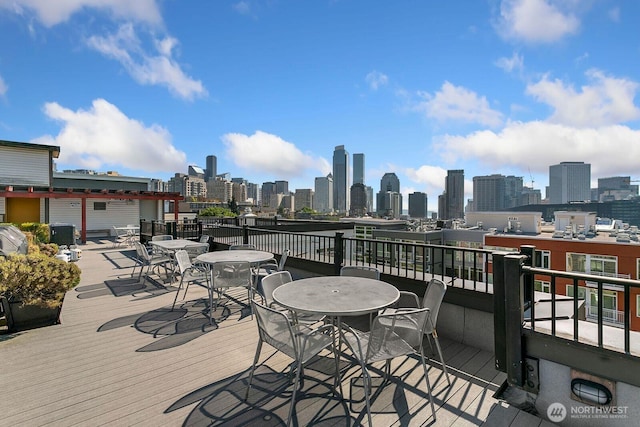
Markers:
point(37, 279)
point(40, 231)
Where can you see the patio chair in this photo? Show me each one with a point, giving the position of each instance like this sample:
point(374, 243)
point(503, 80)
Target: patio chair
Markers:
point(194, 250)
point(270, 283)
point(119, 236)
point(432, 300)
point(243, 246)
point(225, 275)
point(360, 271)
point(300, 343)
point(150, 262)
point(271, 266)
point(188, 273)
point(392, 335)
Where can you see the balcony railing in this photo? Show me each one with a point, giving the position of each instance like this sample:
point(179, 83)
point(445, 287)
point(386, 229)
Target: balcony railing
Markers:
point(609, 316)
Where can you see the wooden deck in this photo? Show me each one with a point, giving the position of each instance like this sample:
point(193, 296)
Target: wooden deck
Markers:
point(128, 360)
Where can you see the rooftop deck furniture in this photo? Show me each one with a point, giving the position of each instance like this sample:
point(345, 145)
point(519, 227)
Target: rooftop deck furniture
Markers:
point(189, 273)
point(300, 343)
point(391, 336)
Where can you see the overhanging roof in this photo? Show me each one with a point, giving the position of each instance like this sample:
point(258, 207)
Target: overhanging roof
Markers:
point(54, 149)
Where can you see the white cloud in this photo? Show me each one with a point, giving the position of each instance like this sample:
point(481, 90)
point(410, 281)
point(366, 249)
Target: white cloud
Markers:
point(606, 101)
point(536, 21)
point(242, 7)
point(614, 14)
point(53, 12)
point(3, 87)
point(103, 136)
point(161, 69)
point(611, 150)
point(376, 79)
point(459, 104)
point(265, 153)
point(515, 63)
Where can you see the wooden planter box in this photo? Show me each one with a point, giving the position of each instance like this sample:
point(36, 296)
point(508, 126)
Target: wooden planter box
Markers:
point(21, 317)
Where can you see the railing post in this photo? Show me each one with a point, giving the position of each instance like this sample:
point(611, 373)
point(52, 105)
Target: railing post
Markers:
point(245, 234)
point(514, 318)
point(499, 318)
point(338, 253)
point(530, 252)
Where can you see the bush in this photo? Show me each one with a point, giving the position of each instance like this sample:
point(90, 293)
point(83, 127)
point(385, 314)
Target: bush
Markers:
point(40, 231)
point(37, 279)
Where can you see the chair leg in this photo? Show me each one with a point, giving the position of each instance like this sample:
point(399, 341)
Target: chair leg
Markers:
point(293, 393)
point(434, 334)
point(177, 293)
point(366, 382)
point(253, 368)
point(426, 377)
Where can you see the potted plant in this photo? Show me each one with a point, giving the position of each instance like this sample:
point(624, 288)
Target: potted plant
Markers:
point(33, 287)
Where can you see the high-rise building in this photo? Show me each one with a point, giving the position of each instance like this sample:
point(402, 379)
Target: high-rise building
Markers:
point(418, 205)
point(454, 194)
point(196, 172)
point(358, 205)
point(496, 192)
point(615, 188)
point(389, 195)
point(370, 199)
point(341, 179)
point(219, 190)
point(323, 197)
point(282, 187)
point(211, 169)
point(569, 182)
point(252, 192)
point(303, 198)
point(268, 189)
point(358, 168)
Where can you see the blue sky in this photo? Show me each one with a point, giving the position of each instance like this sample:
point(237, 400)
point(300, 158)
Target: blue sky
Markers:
point(147, 87)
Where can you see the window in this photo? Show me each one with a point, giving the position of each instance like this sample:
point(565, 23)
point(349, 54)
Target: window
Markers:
point(582, 291)
point(542, 286)
point(543, 259)
point(638, 268)
point(637, 305)
point(609, 299)
point(99, 206)
point(603, 265)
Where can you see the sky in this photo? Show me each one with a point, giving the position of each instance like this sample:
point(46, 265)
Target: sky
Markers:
point(271, 87)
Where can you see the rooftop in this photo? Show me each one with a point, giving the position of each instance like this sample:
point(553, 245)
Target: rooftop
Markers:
point(122, 357)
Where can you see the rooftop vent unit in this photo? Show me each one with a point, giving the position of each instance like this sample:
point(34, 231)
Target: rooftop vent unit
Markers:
point(623, 238)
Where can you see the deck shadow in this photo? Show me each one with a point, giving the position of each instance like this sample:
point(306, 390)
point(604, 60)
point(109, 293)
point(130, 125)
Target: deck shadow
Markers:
point(222, 402)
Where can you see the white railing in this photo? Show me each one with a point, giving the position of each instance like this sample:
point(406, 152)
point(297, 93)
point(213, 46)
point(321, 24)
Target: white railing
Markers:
point(610, 316)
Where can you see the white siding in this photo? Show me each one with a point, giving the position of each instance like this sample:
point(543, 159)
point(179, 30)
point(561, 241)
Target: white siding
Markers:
point(24, 167)
point(2, 209)
point(118, 213)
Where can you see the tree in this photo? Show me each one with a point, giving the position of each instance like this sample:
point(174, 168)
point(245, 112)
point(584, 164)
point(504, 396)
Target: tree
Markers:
point(217, 211)
point(233, 205)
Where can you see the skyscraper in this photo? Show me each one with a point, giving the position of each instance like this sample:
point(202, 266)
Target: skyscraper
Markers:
point(454, 194)
point(389, 199)
point(358, 168)
point(569, 182)
point(418, 205)
point(341, 179)
point(358, 205)
point(496, 192)
point(323, 198)
point(211, 169)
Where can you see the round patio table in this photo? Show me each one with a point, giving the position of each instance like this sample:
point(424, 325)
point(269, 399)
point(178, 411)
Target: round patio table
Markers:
point(251, 256)
point(336, 296)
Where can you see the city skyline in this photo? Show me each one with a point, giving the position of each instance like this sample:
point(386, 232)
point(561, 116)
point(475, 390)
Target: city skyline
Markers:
point(148, 88)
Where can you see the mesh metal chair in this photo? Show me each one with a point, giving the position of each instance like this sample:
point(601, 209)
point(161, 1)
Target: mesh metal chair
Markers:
point(391, 336)
point(243, 246)
point(360, 271)
point(194, 250)
point(270, 283)
point(271, 266)
point(144, 259)
point(299, 343)
point(432, 300)
point(225, 275)
point(188, 273)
